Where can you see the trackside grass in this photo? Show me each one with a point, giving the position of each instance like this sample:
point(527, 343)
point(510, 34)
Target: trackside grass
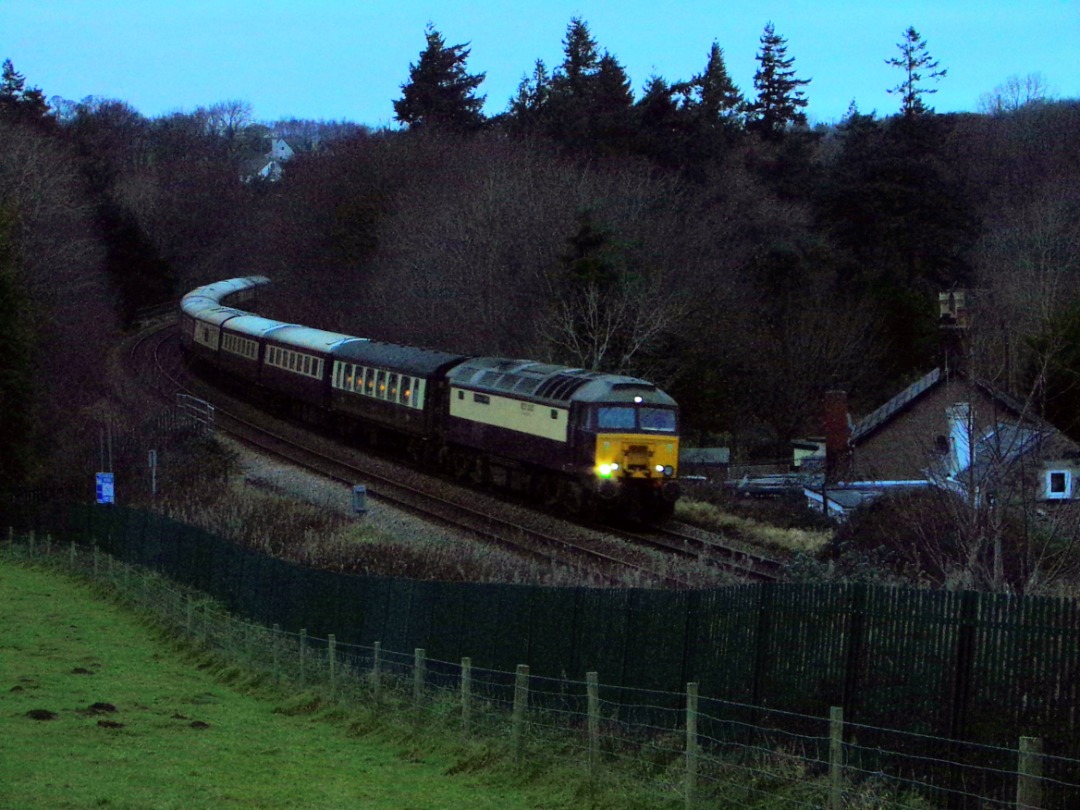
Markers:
point(96, 711)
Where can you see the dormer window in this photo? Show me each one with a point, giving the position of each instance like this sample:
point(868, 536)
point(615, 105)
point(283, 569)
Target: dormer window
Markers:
point(1058, 485)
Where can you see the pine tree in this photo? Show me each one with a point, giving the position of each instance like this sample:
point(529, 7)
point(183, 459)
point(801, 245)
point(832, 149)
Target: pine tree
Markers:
point(718, 100)
point(779, 101)
point(16, 101)
point(580, 63)
point(914, 59)
point(591, 103)
point(528, 108)
point(440, 93)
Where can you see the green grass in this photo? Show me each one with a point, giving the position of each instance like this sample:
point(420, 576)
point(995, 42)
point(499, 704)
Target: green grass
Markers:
point(102, 706)
point(180, 737)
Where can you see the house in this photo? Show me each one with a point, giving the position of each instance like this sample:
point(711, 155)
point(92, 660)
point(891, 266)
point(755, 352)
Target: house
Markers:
point(947, 431)
point(268, 166)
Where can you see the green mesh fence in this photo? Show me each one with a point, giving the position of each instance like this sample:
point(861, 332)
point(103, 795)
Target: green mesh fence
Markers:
point(965, 666)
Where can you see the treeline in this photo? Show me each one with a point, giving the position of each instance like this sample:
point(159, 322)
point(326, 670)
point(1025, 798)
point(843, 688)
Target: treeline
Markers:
point(698, 235)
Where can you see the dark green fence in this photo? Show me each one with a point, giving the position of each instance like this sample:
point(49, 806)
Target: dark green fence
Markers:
point(957, 665)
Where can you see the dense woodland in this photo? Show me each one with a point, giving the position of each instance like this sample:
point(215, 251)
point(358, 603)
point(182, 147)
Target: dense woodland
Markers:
point(697, 234)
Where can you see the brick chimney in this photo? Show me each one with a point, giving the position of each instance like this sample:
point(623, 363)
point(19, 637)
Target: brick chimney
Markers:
point(837, 430)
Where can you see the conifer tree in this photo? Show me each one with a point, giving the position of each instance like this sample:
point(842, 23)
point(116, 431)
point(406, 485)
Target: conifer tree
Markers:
point(16, 101)
point(914, 60)
point(580, 63)
point(716, 100)
point(779, 102)
point(591, 104)
point(528, 108)
point(440, 93)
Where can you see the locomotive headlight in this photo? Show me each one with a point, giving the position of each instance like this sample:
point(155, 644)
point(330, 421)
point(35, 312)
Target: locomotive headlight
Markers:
point(605, 470)
point(659, 468)
point(667, 470)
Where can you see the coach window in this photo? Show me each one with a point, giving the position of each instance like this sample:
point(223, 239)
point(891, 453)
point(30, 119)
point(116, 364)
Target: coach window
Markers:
point(380, 385)
point(406, 390)
point(392, 393)
point(369, 381)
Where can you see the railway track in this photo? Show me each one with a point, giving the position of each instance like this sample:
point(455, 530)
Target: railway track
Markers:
point(157, 357)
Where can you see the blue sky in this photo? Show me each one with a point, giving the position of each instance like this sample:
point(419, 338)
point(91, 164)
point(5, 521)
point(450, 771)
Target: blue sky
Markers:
point(347, 59)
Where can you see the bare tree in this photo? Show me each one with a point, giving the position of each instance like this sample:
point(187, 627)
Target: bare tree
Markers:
point(1016, 92)
point(608, 326)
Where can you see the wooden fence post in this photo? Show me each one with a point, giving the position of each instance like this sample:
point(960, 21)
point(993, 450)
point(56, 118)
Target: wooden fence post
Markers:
point(419, 675)
point(303, 656)
point(331, 652)
point(521, 703)
point(376, 665)
point(1029, 774)
point(466, 694)
point(274, 642)
point(836, 757)
point(592, 691)
point(691, 742)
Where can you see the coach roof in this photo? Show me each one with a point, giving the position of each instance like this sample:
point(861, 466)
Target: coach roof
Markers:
point(392, 356)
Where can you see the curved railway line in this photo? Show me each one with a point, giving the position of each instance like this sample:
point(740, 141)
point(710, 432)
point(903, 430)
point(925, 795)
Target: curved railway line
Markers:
point(610, 554)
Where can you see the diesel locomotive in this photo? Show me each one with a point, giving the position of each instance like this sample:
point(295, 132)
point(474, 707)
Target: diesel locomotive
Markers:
point(583, 440)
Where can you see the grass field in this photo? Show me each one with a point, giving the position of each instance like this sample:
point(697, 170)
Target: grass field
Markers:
point(97, 711)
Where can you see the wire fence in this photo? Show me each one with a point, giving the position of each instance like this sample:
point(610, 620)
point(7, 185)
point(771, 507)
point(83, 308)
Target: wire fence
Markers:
point(708, 752)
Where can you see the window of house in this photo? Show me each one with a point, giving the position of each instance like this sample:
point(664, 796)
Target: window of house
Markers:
point(1058, 484)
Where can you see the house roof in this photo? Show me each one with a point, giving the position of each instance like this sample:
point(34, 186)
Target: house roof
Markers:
point(872, 421)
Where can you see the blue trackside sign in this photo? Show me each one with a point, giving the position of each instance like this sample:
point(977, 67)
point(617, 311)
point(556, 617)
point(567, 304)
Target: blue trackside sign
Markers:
point(105, 492)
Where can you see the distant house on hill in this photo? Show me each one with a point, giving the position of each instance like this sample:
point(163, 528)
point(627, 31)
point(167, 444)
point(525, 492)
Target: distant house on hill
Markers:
point(268, 166)
point(945, 431)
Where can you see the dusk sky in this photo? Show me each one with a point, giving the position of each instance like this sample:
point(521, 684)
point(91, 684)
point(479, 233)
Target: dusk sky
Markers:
point(347, 59)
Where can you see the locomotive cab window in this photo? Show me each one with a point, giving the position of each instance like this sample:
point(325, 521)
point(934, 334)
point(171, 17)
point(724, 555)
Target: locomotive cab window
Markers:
point(615, 418)
point(660, 420)
point(627, 417)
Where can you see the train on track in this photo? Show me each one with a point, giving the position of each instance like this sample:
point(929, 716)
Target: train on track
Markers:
point(584, 440)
